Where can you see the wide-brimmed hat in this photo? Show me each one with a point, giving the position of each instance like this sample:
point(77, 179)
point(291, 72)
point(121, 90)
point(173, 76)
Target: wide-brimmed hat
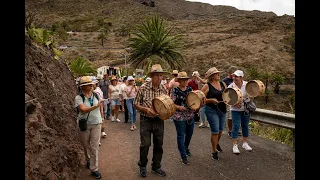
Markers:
point(94, 79)
point(114, 78)
point(182, 75)
point(211, 71)
point(238, 73)
point(156, 68)
point(85, 80)
point(175, 72)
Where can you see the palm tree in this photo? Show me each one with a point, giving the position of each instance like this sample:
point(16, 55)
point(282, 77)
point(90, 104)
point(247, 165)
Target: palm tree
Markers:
point(81, 67)
point(102, 37)
point(253, 73)
point(277, 79)
point(153, 39)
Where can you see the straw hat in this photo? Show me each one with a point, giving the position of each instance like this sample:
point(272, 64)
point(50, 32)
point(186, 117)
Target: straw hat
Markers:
point(156, 68)
point(212, 71)
point(182, 75)
point(86, 80)
point(175, 72)
point(114, 78)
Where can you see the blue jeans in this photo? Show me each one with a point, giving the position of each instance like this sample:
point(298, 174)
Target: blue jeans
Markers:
point(216, 119)
point(131, 110)
point(184, 131)
point(108, 110)
point(202, 114)
point(239, 117)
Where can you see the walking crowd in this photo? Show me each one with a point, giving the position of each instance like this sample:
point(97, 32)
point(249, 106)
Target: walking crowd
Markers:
point(99, 100)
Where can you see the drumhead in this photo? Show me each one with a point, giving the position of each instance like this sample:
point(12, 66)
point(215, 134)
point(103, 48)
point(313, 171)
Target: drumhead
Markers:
point(230, 96)
point(254, 88)
point(193, 100)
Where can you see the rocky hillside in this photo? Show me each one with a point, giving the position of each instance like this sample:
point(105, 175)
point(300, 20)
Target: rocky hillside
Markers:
point(213, 36)
point(52, 148)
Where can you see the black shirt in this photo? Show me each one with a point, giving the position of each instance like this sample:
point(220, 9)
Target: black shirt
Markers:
point(215, 93)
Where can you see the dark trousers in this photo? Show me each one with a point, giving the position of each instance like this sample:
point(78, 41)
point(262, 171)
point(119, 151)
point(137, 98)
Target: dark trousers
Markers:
point(156, 127)
point(126, 114)
point(196, 116)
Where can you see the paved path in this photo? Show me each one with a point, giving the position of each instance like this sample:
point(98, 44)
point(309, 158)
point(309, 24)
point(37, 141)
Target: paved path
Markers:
point(119, 154)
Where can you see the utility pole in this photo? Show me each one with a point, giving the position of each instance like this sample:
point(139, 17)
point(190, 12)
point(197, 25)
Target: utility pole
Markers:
point(125, 62)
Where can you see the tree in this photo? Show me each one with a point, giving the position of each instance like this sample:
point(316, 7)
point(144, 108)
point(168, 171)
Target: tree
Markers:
point(102, 37)
point(277, 79)
point(81, 67)
point(152, 38)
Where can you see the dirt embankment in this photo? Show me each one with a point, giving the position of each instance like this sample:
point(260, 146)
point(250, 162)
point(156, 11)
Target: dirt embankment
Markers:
point(52, 148)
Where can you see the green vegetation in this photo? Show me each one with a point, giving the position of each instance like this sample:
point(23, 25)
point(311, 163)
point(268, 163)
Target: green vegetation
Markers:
point(45, 38)
point(279, 134)
point(81, 67)
point(152, 38)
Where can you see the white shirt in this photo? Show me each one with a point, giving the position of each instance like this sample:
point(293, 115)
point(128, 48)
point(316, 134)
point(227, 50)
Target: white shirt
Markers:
point(245, 96)
point(122, 90)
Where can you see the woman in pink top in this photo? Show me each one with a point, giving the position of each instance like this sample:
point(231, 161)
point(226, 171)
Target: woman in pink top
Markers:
point(131, 91)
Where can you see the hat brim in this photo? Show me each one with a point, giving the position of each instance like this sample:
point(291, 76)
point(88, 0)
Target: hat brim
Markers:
point(84, 84)
point(213, 73)
point(177, 78)
point(164, 72)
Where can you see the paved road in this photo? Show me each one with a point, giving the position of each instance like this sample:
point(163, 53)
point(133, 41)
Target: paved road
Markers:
point(119, 154)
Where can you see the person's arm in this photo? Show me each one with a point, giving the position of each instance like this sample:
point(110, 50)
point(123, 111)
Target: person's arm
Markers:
point(141, 108)
point(83, 108)
point(205, 90)
point(201, 80)
point(109, 92)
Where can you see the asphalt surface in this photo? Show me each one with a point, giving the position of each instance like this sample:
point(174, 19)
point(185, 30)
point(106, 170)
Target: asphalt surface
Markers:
point(119, 154)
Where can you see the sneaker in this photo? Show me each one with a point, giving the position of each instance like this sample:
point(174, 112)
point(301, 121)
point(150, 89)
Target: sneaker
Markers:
point(215, 156)
point(99, 143)
point(118, 120)
point(88, 164)
point(235, 149)
point(96, 174)
point(246, 146)
point(134, 126)
point(208, 125)
point(201, 125)
point(112, 118)
point(184, 161)
point(143, 171)
point(103, 134)
point(219, 148)
point(131, 128)
point(188, 152)
point(159, 171)
point(229, 134)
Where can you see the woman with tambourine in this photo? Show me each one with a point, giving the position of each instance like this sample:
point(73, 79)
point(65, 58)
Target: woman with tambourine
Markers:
point(215, 108)
point(238, 114)
point(183, 117)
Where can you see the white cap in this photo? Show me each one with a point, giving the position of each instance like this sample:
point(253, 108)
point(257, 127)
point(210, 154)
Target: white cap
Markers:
point(130, 78)
point(195, 73)
point(238, 73)
point(94, 79)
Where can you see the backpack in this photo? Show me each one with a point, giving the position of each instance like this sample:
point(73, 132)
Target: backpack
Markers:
point(82, 96)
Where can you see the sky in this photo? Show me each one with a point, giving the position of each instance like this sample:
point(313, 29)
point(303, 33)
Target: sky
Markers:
point(279, 7)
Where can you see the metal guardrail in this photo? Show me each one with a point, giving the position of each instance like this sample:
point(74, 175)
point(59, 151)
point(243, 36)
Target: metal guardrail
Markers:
point(280, 119)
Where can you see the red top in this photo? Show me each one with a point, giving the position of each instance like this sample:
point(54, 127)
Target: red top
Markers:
point(193, 85)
